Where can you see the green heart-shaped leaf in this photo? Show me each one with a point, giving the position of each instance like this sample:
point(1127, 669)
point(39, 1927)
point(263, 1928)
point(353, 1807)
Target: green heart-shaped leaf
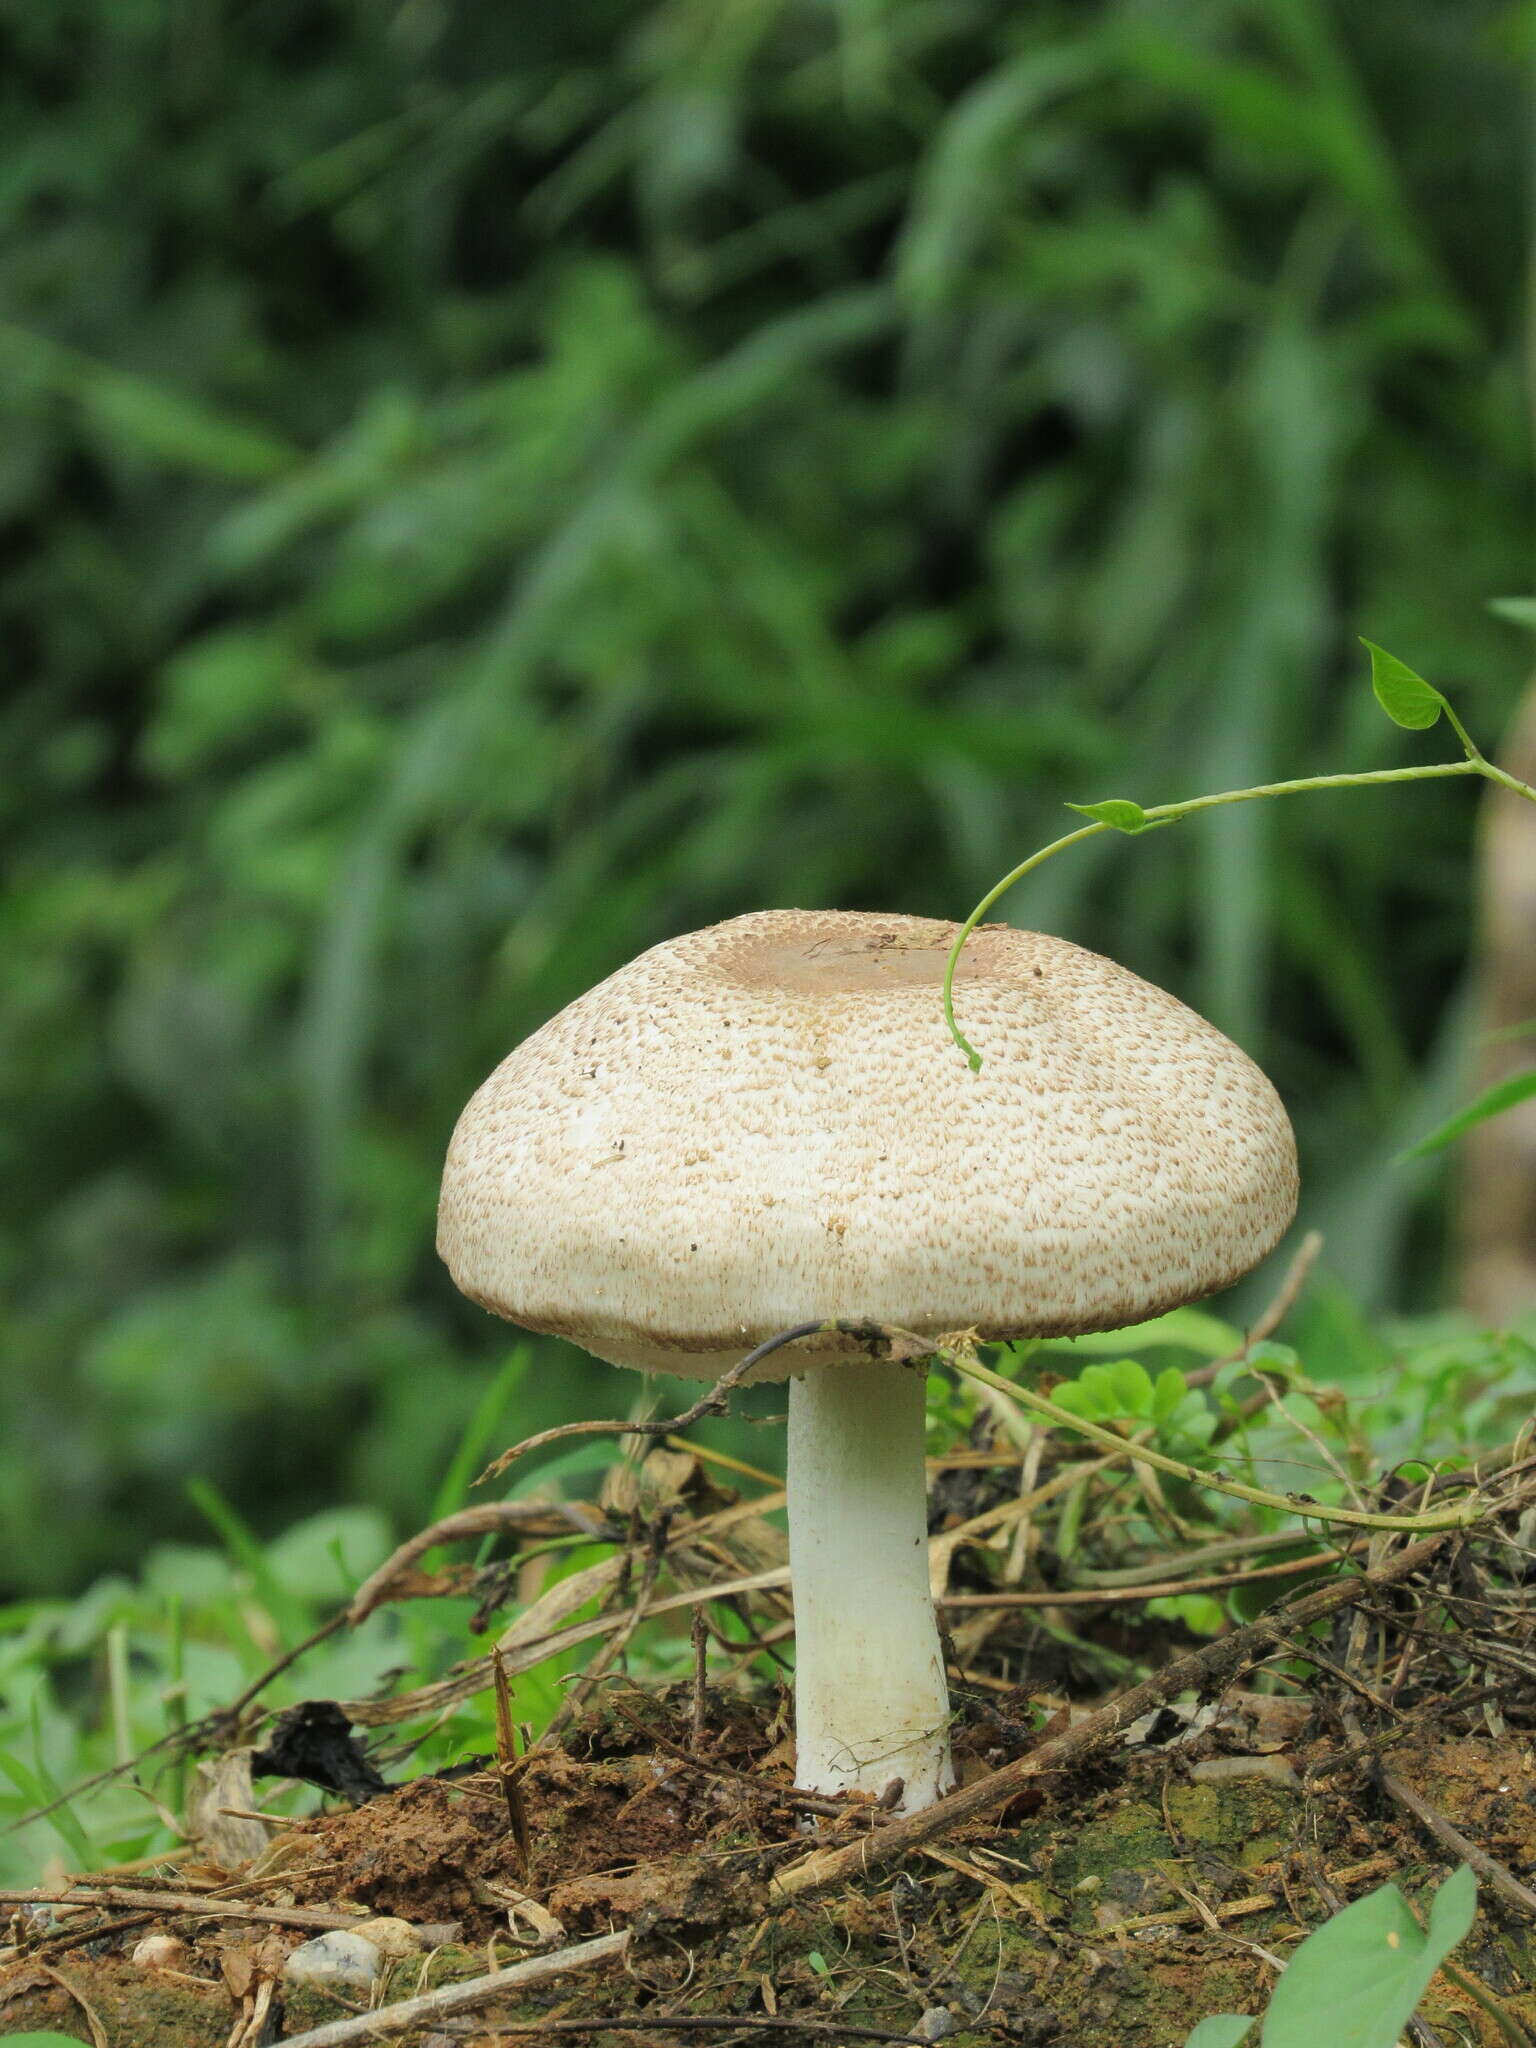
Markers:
point(1221, 2030)
point(1401, 692)
point(1367, 1968)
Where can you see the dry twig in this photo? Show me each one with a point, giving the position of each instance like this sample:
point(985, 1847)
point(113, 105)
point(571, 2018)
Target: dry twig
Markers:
point(413, 2013)
point(198, 1905)
point(1488, 1868)
point(715, 1402)
point(488, 1519)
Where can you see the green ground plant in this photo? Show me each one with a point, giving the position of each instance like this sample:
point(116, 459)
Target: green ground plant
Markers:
point(1362, 1973)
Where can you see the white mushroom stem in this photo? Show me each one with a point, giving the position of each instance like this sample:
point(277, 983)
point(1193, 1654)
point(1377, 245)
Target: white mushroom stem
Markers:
point(870, 1698)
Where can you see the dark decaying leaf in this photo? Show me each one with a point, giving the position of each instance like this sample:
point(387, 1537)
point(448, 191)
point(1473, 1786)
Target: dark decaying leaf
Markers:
point(314, 1741)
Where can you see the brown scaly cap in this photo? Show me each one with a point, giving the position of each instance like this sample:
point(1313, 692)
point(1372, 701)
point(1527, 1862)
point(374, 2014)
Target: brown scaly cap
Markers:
point(765, 1122)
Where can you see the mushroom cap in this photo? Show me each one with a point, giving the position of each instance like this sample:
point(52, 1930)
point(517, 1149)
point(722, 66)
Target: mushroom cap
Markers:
point(767, 1122)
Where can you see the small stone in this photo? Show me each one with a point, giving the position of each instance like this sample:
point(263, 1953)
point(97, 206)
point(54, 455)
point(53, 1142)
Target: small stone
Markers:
point(936, 2024)
point(160, 1952)
point(340, 1961)
point(392, 1938)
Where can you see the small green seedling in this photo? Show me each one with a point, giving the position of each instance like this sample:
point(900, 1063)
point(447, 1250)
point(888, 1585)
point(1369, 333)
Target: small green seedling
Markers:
point(1356, 1980)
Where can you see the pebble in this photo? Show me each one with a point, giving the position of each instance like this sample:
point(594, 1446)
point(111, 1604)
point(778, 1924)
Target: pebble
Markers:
point(160, 1952)
point(936, 2024)
point(339, 1961)
point(392, 1938)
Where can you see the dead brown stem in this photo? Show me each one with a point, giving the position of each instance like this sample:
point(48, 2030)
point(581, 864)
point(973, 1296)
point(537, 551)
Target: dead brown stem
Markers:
point(700, 1631)
point(715, 1402)
point(489, 1518)
point(193, 1903)
point(698, 2023)
point(506, 1762)
point(1488, 1868)
point(413, 2013)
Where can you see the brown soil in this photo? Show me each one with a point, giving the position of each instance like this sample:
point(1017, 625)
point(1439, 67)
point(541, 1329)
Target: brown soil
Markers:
point(1127, 1903)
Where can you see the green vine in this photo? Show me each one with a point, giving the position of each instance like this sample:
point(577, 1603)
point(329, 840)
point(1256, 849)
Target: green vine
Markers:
point(1460, 1515)
point(1404, 695)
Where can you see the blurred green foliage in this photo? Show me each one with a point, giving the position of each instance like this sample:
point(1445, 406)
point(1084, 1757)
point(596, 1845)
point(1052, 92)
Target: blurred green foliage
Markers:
point(482, 489)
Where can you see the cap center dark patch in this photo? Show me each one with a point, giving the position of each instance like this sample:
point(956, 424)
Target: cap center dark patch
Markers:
point(839, 954)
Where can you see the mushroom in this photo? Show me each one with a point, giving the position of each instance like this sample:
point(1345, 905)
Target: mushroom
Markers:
point(764, 1123)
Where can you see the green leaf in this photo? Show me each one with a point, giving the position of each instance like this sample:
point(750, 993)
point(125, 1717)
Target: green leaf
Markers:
point(1190, 1328)
point(1199, 1613)
point(475, 1442)
point(1098, 1385)
point(1167, 1392)
point(1193, 1419)
point(169, 424)
point(1401, 692)
point(1221, 2030)
point(1118, 811)
point(1501, 1096)
point(1367, 1968)
point(38, 1788)
point(1268, 1356)
point(1133, 1386)
point(328, 1555)
point(1520, 611)
point(1452, 1914)
point(818, 1962)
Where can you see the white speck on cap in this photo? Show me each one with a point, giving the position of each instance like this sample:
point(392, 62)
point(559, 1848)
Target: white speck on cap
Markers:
point(767, 1122)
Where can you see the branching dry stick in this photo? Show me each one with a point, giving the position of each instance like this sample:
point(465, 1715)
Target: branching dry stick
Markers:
point(489, 1518)
point(1204, 1671)
point(708, 2023)
point(1488, 1868)
point(475, 1677)
point(715, 1402)
point(184, 1903)
point(414, 2013)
